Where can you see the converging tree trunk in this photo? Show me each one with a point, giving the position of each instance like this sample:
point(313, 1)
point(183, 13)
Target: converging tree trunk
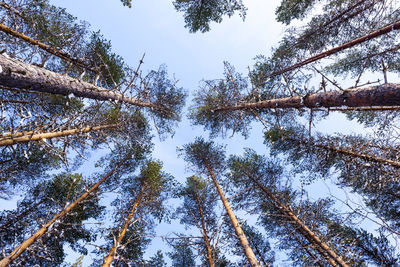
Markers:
point(239, 232)
point(380, 95)
point(369, 36)
point(210, 257)
point(45, 47)
point(28, 242)
point(321, 246)
point(24, 137)
point(16, 74)
point(110, 257)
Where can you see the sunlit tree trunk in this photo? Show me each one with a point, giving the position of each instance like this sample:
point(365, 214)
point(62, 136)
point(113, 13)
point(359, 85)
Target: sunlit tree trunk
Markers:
point(45, 47)
point(24, 137)
point(323, 248)
point(110, 257)
point(239, 232)
point(17, 74)
point(210, 258)
point(369, 36)
point(28, 242)
point(380, 95)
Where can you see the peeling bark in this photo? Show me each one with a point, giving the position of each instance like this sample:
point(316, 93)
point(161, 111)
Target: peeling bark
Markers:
point(24, 137)
point(380, 95)
point(17, 74)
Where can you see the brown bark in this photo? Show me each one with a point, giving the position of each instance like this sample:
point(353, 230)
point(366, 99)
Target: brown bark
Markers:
point(380, 95)
point(238, 230)
point(110, 257)
point(308, 234)
point(378, 108)
point(28, 242)
point(46, 47)
point(16, 74)
point(361, 156)
point(24, 137)
point(210, 258)
point(369, 36)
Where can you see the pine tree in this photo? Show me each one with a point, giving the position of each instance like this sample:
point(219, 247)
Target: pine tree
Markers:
point(149, 191)
point(198, 210)
point(39, 204)
point(208, 159)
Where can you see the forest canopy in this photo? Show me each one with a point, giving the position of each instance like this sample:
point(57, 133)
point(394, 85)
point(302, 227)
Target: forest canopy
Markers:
point(85, 178)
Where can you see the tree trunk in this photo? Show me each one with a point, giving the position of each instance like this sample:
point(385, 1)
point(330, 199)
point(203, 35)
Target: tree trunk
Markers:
point(45, 47)
point(24, 137)
point(109, 259)
point(16, 74)
point(361, 156)
point(239, 232)
point(27, 243)
point(369, 36)
point(380, 95)
point(308, 234)
point(210, 258)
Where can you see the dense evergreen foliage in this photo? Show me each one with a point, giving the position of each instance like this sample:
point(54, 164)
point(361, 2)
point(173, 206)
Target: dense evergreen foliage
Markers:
point(70, 105)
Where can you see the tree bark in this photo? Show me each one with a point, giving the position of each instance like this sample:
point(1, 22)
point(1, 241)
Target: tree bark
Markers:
point(210, 258)
point(110, 257)
point(47, 48)
point(17, 74)
point(369, 36)
point(24, 137)
point(239, 232)
point(308, 234)
point(28, 242)
point(361, 156)
point(380, 95)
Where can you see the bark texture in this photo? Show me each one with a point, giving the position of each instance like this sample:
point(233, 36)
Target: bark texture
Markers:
point(17, 74)
point(380, 95)
point(238, 230)
point(45, 47)
point(110, 257)
point(24, 137)
point(369, 36)
point(28, 242)
point(206, 239)
point(321, 246)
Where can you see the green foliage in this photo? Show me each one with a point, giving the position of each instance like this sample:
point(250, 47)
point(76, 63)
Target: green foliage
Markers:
point(42, 203)
point(127, 3)
point(203, 154)
point(215, 94)
point(182, 255)
point(157, 260)
point(293, 9)
point(100, 57)
point(160, 90)
point(199, 14)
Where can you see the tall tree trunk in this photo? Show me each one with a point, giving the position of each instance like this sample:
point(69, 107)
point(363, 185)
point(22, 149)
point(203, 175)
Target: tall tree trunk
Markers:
point(45, 47)
point(16, 74)
point(308, 234)
point(239, 232)
point(28, 242)
point(360, 155)
point(380, 95)
point(210, 258)
point(110, 257)
point(24, 137)
point(369, 36)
